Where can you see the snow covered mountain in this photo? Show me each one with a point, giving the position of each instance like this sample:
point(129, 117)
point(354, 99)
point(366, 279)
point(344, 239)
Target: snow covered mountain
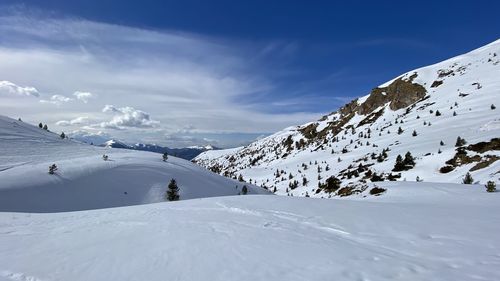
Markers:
point(52, 226)
point(85, 181)
point(443, 115)
point(187, 153)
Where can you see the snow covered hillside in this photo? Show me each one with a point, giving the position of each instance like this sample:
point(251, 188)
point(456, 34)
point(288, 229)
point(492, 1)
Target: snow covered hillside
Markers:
point(423, 112)
point(418, 231)
point(85, 181)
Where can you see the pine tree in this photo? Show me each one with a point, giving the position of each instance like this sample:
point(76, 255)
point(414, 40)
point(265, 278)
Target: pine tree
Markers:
point(414, 133)
point(400, 131)
point(441, 143)
point(460, 142)
point(244, 190)
point(165, 156)
point(173, 191)
point(493, 107)
point(45, 127)
point(40, 125)
point(304, 181)
point(52, 169)
point(438, 113)
point(63, 136)
point(399, 165)
point(240, 178)
point(409, 160)
point(491, 186)
point(468, 179)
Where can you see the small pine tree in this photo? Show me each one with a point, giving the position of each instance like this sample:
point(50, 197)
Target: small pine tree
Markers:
point(172, 191)
point(460, 142)
point(165, 156)
point(240, 178)
point(493, 107)
point(400, 131)
point(454, 113)
point(40, 125)
point(441, 143)
point(399, 165)
point(52, 169)
point(491, 186)
point(63, 136)
point(468, 179)
point(414, 133)
point(409, 160)
point(244, 190)
point(438, 113)
point(45, 127)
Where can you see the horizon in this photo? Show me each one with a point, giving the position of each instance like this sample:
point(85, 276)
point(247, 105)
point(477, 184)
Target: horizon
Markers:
point(178, 76)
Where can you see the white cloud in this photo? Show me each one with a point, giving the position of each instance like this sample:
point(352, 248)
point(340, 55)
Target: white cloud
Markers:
point(189, 83)
point(127, 117)
point(10, 88)
point(76, 121)
point(83, 96)
point(57, 100)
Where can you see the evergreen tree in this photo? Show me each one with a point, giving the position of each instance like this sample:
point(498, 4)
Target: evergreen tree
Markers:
point(40, 125)
point(491, 186)
point(45, 127)
point(52, 169)
point(468, 179)
point(399, 165)
point(460, 142)
point(240, 178)
point(493, 107)
point(441, 143)
point(409, 160)
point(414, 133)
point(63, 136)
point(438, 113)
point(244, 190)
point(165, 156)
point(400, 131)
point(172, 191)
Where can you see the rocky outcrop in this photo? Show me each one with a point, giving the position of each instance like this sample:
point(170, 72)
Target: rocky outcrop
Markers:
point(400, 93)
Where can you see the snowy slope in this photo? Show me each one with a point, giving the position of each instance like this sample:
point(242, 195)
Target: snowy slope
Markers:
point(84, 180)
point(416, 232)
point(462, 89)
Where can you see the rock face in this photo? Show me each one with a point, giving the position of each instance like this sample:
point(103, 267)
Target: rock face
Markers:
point(360, 142)
point(399, 94)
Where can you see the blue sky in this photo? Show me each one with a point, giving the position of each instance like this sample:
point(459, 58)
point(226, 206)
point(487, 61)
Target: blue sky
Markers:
point(264, 64)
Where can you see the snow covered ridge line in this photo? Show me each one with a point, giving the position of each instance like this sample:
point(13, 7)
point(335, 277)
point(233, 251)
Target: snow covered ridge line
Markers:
point(442, 117)
point(89, 177)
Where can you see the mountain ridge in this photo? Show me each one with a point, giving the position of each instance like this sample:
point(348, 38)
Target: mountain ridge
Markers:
point(454, 98)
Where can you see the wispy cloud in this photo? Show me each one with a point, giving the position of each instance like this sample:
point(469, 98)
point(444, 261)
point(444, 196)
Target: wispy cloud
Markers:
point(189, 83)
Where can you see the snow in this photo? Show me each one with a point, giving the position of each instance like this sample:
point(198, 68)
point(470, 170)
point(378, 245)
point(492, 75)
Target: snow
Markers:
point(85, 181)
point(54, 227)
point(476, 74)
point(418, 231)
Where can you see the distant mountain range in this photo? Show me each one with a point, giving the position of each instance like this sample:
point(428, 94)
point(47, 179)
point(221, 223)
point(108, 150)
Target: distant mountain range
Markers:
point(187, 153)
